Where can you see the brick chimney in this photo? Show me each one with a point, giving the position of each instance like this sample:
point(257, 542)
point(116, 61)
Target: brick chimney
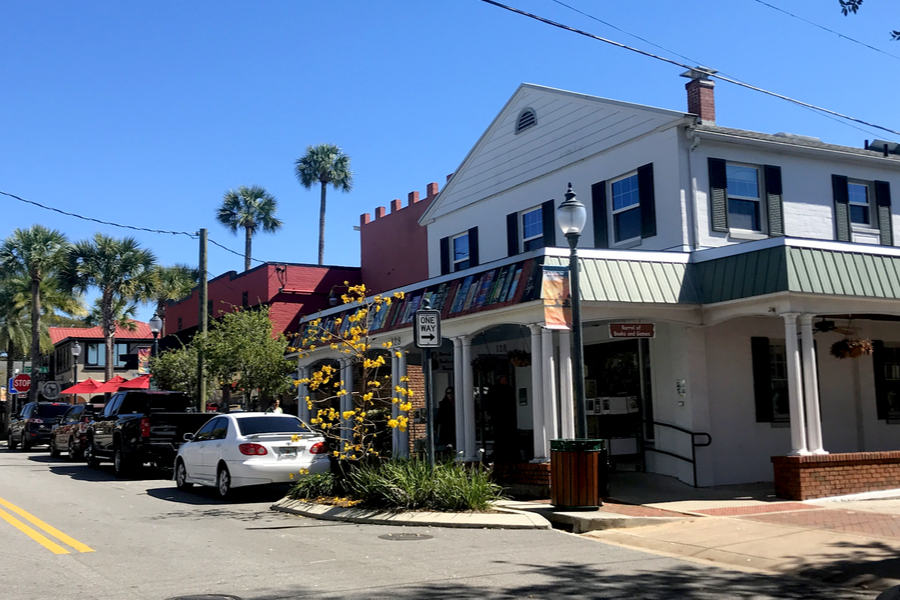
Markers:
point(701, 95)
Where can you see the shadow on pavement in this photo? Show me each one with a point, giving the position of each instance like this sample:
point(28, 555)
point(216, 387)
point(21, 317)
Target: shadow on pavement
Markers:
point(573, 580)
point(853, 564)
point(206, 496)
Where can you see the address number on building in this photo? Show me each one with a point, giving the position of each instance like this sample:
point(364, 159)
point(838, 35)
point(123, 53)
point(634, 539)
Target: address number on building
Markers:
point(428, 329)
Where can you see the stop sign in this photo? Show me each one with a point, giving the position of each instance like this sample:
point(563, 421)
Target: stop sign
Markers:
point(22, 383)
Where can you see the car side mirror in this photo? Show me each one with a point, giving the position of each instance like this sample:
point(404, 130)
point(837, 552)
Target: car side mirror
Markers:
point(188, 437)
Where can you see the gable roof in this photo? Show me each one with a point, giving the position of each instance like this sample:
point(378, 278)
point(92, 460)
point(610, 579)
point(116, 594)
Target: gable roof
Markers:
point(59, 334)
point(570, 127)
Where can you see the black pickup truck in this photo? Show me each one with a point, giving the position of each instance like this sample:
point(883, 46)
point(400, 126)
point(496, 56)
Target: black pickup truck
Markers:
point(139, 426)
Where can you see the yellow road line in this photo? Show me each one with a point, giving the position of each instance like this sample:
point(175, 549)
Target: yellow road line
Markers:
point(40, 539)
point(41, 525)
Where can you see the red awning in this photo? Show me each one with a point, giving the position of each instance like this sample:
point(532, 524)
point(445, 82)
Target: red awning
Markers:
point(141, 382)
point(111, 386)
point(88, 386)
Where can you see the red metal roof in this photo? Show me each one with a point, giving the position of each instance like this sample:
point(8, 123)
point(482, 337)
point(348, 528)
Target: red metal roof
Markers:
point(58, 334)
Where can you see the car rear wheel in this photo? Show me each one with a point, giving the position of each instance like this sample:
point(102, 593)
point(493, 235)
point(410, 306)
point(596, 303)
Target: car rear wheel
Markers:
point(74, 454)
point(121, 464)
point(223, 482)
point(54, 450)
point(181, 476)
point(10, 442)
point(92, 460)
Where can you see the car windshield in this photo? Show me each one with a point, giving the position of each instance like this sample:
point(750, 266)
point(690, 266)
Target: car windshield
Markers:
point(270, 424)
point(47, 411)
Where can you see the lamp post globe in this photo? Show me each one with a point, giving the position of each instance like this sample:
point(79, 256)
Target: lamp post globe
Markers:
point(571, 216)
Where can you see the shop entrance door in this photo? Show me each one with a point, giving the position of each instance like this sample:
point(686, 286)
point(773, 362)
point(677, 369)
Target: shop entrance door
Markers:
point(618, 397)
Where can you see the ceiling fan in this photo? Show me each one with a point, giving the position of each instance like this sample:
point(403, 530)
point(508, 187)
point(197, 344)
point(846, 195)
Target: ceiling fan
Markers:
point(824, 326)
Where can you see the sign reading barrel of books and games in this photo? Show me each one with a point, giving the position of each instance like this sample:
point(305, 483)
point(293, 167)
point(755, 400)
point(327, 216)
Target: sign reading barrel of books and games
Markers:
point(555, 293)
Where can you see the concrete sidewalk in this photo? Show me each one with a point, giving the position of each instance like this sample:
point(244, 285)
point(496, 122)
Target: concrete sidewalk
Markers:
point(853, 543)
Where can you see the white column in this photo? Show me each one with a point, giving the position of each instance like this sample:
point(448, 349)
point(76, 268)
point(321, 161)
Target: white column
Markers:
point(795, 385)
point(811, 386)
point(302, 392)
point(404, 435)
point(459, 414)
point(468, 399)
point(548, 352)
point(566, 403)
point(395, 408)
point(537, 395)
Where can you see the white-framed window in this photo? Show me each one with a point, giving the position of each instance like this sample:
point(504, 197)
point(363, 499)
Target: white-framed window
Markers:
point(779, 378)
point(862, 212)
point(459, 249)
point(745, 207)
point(532, 229)
point(626, 209)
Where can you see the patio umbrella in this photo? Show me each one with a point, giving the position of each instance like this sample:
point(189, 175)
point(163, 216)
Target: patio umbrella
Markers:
point(141, 382)
point(88, 386)
point(111, 386)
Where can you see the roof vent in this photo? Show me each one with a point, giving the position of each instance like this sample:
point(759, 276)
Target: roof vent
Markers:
point(884, 146)
point(526, 119)
point(797, 137)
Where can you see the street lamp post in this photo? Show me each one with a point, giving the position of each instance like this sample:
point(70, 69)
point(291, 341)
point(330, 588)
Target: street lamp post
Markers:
point(155, 326)
point(571, 216)
point(76, 352)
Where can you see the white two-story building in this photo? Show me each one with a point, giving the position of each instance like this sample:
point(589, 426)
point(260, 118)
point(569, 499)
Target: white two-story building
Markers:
point(744, 256)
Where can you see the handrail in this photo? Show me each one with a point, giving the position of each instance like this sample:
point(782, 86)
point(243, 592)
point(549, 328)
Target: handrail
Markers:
point(694, 445)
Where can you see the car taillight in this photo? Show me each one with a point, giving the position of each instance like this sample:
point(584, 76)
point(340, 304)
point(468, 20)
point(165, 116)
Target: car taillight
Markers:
point(145, 427)
point(86, 420)
point(318, 448)
point(33, 420)
point(253, 449)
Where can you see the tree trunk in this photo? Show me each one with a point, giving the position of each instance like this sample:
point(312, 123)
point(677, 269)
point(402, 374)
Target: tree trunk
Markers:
point(109, 331)
point(322, 226)
point(161, 313)
point(35, 327)
point(248, 242)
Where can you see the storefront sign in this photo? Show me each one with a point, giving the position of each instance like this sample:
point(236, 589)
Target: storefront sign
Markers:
point(632, 330)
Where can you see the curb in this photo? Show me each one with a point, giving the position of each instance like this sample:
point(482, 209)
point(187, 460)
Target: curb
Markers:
point(504, 518)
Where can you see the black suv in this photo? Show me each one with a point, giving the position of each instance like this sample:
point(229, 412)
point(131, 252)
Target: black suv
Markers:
point(32, 426)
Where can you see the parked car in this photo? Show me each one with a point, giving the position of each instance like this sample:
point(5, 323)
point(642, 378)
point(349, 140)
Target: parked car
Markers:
point(70, 432)
point(139, 426)
point(32, 426)
point(243, 449)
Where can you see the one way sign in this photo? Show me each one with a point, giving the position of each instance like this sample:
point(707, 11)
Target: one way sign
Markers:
point(428, 329)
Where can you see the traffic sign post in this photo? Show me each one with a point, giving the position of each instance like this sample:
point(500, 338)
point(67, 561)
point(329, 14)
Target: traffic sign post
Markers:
point(21, 383)
point(428, 336)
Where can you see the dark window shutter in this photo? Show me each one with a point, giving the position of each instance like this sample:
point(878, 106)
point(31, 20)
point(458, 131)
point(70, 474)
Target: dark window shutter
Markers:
point(883, 202)
point(599, 210)
point(648, 200)
point(512, 234)
point(841, 208)
point(773, 200)
point(762, 379)
point(473, 247)
point(445, 255)
point(718, 194)
point(548, 220)
point(881, 393)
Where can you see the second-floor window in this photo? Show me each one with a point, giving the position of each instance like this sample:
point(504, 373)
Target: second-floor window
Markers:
point(460, 249)
point(862, 211)
point(626, 209)
point(96, 355)
point(744, 202)
point(858, 196)
point(532, 229)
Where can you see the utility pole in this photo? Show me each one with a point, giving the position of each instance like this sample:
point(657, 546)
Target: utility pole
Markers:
point(201, 324)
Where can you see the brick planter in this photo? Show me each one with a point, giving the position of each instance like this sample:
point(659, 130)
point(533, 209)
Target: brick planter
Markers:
point(524, 479)
point(805, 477)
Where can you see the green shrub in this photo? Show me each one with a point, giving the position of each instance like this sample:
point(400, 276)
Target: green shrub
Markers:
point(314, 486)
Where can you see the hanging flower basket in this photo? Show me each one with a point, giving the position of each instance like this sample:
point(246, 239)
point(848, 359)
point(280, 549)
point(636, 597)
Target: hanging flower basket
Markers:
point(851, 348)
point(519, 358)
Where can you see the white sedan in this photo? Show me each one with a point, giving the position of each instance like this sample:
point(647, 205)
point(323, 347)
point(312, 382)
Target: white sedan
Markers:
point(242, 449)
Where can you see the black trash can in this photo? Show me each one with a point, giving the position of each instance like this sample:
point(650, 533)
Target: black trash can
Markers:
point(579, 473)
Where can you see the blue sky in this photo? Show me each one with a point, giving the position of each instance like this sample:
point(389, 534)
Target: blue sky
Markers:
point(146, 113)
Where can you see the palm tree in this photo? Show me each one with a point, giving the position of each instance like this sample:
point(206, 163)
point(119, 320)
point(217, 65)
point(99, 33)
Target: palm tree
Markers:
point(171, 283)
point(251, 208)
point(37, 252)
point(120, 268)
point(324, 164)
point(123, 312)
point(15, 332)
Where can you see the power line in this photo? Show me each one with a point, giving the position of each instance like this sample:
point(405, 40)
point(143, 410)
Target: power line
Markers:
point(685, 66)
point(192, 235)
point(841, 35)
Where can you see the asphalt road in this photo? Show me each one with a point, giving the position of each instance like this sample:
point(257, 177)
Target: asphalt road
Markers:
point(69, 532)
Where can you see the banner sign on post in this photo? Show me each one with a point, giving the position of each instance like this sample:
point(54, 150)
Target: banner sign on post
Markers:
point(143, 361)
point(632, 330)
point(555, 293)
